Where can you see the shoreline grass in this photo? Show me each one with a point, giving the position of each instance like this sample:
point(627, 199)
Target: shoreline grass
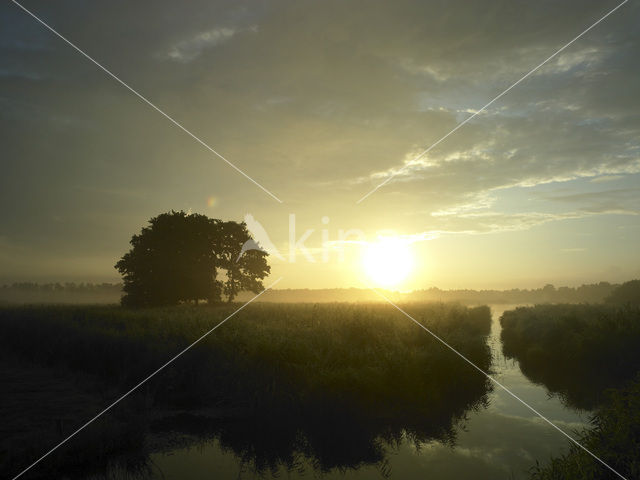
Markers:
point(576, 351)
point(316, 370)
point(589, 355)
point(614, 437)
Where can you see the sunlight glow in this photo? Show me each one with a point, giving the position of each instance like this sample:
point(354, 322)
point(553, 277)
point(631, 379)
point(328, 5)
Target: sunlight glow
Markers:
point(388, 261)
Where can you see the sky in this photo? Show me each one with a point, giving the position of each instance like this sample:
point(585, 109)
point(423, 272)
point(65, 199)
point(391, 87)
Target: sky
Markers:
point(318, 103)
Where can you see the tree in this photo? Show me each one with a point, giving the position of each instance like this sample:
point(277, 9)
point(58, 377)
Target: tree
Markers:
point(171, 260)
point(244, 270)
point(626, 294)
point(177, 257)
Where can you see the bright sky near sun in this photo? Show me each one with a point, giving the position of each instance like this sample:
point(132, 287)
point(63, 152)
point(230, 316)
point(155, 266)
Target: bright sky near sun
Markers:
point(388, 262)
point(319, 103)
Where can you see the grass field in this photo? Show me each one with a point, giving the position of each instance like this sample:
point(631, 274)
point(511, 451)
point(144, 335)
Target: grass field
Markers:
point(361, 372)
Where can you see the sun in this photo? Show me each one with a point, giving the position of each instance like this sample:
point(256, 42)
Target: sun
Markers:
point(388, 261)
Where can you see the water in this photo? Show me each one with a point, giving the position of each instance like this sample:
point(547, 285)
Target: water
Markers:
point(502, 440)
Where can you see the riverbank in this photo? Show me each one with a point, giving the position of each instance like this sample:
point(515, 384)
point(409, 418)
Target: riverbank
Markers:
point(303, 375)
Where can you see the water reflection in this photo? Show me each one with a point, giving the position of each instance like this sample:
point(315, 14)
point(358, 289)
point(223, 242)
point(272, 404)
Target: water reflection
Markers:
point(327, 442)
point(495, 436)
point(577, 352)
point(488, 435)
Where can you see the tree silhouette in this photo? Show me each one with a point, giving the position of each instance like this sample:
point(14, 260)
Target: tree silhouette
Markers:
point(177, 257)
point(626, 294)
point(243, 272)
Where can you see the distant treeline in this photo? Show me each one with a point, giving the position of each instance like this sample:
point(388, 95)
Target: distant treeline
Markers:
point(29, 292)
point(593, 293)
point(81, 293)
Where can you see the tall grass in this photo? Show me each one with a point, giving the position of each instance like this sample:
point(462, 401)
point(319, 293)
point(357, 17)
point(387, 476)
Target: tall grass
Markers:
point(40, 407)
point(331, 380)
point(576, 351)
point(589, 355)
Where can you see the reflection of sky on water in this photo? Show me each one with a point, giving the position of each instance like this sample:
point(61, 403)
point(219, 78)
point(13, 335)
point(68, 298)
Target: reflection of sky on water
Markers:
point(502, 441)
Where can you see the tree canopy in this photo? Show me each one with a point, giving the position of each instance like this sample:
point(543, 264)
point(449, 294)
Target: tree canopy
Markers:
point(626, 294)
point(178, 256)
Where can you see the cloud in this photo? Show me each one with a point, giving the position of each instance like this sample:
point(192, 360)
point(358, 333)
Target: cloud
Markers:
point(606, 178)
point(491, 222)
point(319, 102)
point(190, 48)
point(613, 201)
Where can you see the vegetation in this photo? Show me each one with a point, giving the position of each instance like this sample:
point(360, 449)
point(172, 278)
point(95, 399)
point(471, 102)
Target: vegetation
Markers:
point(576, 351)
point(614, 437)
point(56, 293)
point(41, 406)
point(28, 292)
point(592, 293)
point(319, 349)
point(590, 356)
point(333, 381)
point(176, 259)
point(626, 294)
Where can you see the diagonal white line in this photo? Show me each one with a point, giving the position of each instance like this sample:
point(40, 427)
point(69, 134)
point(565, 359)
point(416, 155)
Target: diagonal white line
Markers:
point(393, 175)
point(140, 383)
point(495, 381)
point(148, 102)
